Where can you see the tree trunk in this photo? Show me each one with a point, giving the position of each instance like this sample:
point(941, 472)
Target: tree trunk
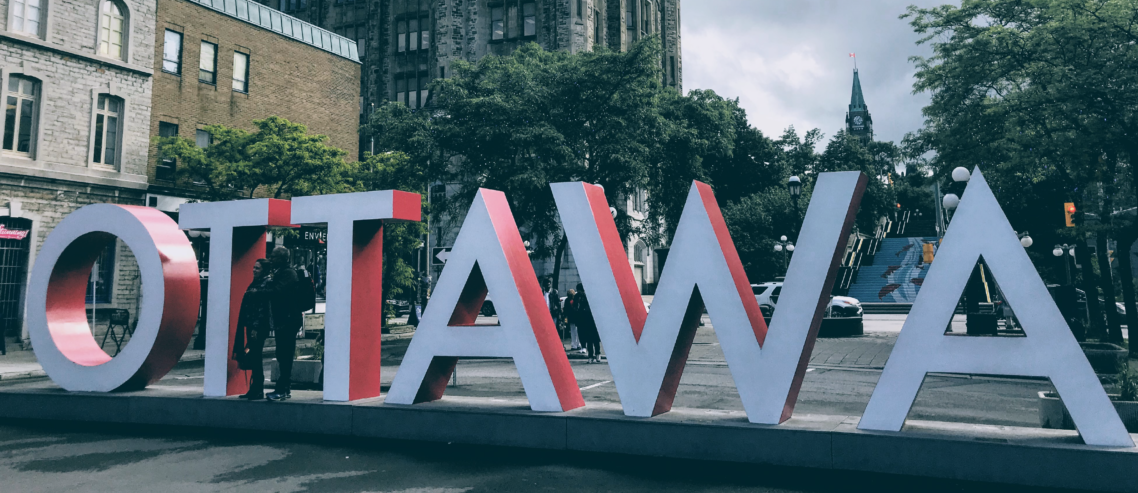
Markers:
point(557, 262)
point(1106, 280)
point(1095, 330)
point(1126, 277)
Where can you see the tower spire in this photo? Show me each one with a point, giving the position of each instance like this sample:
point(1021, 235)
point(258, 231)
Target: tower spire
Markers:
point(857, 100)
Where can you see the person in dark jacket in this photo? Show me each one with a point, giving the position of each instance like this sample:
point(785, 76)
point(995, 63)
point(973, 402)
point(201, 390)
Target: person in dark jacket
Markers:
point(587, 327)
point(254, 322)
point(282, 289)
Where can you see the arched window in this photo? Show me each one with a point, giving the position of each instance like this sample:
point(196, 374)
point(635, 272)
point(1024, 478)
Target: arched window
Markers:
point(22, 99)
point(108, 118)
point(112, 30)
point(27, 16)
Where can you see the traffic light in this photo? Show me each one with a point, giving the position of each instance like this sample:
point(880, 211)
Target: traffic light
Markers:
point(1069, 211)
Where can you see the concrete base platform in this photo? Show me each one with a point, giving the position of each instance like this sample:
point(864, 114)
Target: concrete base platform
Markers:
point(1021, 456)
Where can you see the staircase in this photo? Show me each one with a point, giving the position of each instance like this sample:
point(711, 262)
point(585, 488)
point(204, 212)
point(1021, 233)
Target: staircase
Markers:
point(896, 273)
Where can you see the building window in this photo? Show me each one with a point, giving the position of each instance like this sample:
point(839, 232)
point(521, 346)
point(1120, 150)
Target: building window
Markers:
point(26, 16)
point(357, 33)
point(112, 30)
point(240, 72)
point(413, 34)
point(645, 9)
point(108, 115)
point(597, 28)
point(168, 166)
point(172, 52)
point(401, 33)
point(629, 14)
point(424, 30)
point(296, 5)
point(401, 90)
point(580, 9)
point(640, 200)
point(202, 138)
point(672, 69)
point(497, 23)
point(207, 64)
point(412, 90)
point(102, 276)
point(20, 116)
point(529, 19)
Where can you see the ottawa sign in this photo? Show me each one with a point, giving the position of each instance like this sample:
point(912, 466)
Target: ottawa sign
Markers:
point(647, 350)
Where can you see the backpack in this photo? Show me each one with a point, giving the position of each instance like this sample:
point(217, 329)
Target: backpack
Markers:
point(305, 291)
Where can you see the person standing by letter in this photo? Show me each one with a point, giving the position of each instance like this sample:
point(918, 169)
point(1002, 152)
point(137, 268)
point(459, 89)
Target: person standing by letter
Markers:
point(283, 292)
point(587, 327)
point(253, 325)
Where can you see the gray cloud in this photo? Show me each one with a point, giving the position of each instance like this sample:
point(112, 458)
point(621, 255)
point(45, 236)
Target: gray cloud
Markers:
point(788, 61)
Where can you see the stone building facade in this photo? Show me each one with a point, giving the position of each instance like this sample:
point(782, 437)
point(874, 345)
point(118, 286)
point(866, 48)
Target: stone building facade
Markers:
point(77, 79)
point(405, 44)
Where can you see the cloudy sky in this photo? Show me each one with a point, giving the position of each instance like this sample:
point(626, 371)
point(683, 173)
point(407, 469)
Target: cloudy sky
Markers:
point(788, 61)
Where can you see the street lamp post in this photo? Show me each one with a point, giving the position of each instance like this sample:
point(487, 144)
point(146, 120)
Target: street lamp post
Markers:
point(1059, 251)
point(785, 246)
point(794, 186)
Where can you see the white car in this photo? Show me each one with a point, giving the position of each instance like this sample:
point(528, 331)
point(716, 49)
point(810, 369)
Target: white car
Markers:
point(843, 315)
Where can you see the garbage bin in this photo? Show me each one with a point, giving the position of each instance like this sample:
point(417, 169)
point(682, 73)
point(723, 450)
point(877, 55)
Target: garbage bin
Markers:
point(982, 324)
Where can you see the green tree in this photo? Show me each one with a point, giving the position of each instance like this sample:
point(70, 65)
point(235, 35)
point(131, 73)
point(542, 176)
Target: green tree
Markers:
point(519, 122)
point(280, 159)
point(1041, 95)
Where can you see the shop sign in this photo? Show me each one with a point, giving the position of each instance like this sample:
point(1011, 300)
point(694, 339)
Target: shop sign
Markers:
point(12, 234)
point(647, 350)
point(313, 235)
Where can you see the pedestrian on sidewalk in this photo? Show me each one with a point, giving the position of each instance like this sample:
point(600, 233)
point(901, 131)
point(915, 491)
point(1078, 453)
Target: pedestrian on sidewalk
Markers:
point(254, 322)
point(569, 311)
point(284, 300)
point(553, 303)
point(587, 327)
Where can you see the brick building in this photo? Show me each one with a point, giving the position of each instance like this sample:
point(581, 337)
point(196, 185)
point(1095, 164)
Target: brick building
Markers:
point(239, 62)
point(77, 78)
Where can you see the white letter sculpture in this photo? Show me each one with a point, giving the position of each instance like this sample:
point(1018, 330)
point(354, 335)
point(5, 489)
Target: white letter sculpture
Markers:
point(237, 233)
point(647, 351)
point(488, 255)
point(352, 320)
point(1049, 350)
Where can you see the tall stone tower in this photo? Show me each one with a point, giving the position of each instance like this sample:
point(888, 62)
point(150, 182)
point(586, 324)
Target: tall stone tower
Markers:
point(859, 123)
point(404, 44)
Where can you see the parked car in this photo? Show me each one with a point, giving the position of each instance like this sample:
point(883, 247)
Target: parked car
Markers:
point(844, 315)
point(402, 307)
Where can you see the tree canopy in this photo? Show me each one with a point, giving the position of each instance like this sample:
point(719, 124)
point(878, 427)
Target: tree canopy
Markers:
point(280, 159)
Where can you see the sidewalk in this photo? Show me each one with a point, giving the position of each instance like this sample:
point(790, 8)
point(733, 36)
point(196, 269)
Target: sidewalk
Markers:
point(21, 363)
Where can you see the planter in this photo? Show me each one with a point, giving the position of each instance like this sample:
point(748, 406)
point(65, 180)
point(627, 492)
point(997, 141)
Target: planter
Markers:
point(1106, 358)
point(841, 327)
point(1053, 414)
point(303, 371)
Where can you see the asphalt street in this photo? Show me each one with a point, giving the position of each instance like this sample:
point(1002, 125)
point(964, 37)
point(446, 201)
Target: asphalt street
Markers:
point(36, 459)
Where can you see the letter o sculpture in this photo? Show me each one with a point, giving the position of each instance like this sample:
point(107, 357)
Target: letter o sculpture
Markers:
point(56, 306)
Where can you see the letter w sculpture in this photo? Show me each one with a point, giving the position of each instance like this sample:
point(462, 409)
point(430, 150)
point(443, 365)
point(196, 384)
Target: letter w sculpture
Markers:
point(647, 350)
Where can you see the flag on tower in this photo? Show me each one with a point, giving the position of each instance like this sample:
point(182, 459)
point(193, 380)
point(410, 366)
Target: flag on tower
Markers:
point(852, 55)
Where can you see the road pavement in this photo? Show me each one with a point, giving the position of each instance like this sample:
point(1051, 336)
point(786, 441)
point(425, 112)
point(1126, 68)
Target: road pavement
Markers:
point(55, 458)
